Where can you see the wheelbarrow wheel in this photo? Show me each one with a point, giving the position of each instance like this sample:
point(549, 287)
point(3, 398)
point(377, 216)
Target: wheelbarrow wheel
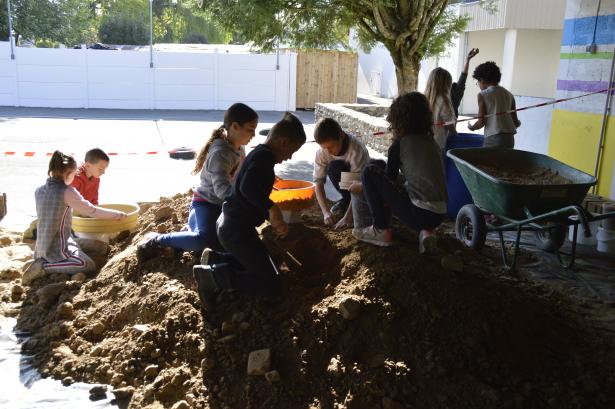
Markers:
point(551, 239)
point(470, 227)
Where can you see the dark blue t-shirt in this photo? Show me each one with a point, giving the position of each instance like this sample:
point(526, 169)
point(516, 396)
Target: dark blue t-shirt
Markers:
point(249, 200)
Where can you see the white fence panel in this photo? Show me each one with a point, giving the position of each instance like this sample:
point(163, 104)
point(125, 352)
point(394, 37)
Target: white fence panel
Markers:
point(8, 76)
point(124, 80)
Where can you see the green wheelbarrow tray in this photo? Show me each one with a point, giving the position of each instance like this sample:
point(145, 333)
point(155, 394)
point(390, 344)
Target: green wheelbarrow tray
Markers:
point(511, 200)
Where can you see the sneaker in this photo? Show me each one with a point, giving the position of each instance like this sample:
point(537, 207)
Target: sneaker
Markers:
point(209, 257)
point(379, 237)
point(339, 208)
point(32, 270)
point(210, 280)
point(205, 284)
point(428, 242)
point(148, 248)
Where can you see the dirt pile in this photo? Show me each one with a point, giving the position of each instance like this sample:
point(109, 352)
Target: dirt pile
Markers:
point(527, 176)
point(357, 327)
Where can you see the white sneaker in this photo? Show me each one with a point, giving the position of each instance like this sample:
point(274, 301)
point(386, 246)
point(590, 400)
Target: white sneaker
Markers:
point(428, 242)
point(379, 237)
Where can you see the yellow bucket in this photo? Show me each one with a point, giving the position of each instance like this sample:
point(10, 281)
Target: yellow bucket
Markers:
point(90, 225)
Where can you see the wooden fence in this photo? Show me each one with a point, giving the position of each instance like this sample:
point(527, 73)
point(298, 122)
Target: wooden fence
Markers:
point(326, 76)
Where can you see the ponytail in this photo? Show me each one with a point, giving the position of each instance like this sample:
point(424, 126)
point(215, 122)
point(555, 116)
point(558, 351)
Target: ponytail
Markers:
point(200, 160)
point(239, 113)
point(59, 164)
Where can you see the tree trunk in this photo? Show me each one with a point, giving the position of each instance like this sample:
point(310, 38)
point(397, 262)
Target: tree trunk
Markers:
point(407, 70)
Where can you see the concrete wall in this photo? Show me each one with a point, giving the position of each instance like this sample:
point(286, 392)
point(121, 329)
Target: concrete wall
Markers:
point(68, 78)
point(576, 125)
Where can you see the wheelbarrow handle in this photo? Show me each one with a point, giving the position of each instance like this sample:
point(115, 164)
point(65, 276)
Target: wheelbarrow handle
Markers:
point(583, 216)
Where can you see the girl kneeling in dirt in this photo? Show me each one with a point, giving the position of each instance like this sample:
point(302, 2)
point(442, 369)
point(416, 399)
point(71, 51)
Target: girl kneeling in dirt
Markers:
point(56, 251)
point(421, 202)
point(217, 163)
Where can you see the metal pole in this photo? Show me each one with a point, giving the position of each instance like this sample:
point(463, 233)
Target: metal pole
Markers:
point(605, 118)
point(151, 34)
point(8, 14)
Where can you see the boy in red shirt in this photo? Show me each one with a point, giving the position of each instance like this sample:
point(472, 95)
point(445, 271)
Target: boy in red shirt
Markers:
point(88, 175)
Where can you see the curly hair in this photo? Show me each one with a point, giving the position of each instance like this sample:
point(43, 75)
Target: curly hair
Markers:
point(410, 114)
point(487, 71)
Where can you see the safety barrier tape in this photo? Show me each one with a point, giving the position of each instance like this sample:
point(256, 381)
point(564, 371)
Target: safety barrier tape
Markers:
point(556, 101)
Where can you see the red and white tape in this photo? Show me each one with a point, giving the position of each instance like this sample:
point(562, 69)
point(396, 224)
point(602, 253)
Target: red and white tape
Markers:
point(543, 104)
point(30, 154)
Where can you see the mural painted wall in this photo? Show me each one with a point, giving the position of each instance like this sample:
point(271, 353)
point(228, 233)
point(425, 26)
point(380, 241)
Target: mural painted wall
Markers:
point(576, 125)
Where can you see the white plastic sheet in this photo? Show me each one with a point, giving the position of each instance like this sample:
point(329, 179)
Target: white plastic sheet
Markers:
point(21, 386)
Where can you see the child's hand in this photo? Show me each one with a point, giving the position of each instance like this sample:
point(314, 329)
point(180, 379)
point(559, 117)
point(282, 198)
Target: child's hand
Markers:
point(472, 53)
point(356, 188)
point(344, 222)
point(329, 219)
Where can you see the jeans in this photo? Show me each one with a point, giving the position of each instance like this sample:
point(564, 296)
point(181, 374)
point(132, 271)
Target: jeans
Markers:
point(334, 171)
point(259, 275)
point(384, 198)
point(202, 229)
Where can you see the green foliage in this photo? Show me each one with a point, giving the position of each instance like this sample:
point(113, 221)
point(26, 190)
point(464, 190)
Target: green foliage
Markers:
point(60, 21)
point(4, 22)
point(119, 28)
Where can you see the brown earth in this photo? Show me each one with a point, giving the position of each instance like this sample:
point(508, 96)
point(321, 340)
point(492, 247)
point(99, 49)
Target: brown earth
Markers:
point(358, 326)
point(527, 176)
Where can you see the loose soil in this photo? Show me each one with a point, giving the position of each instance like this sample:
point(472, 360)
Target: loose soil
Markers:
point(420, 336)
point(527, 176)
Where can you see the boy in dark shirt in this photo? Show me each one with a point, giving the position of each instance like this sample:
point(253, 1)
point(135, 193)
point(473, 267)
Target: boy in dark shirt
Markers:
point(247, 266)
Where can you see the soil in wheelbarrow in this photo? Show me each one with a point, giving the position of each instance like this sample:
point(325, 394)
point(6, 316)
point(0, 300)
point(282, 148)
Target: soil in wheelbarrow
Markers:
point(357, 326)
point(528, 176)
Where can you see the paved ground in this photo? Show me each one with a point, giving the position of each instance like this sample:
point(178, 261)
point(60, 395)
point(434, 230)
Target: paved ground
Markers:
point(129, 178)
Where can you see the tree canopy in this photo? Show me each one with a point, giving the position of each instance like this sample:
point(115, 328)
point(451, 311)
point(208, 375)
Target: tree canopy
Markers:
point(410, 29)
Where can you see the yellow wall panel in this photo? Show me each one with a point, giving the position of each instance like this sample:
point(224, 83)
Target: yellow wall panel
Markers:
point(574, 141)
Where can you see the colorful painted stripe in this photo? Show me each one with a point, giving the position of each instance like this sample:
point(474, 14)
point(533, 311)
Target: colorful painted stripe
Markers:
point(585, 56)
point(584, 86)
point(580, 31)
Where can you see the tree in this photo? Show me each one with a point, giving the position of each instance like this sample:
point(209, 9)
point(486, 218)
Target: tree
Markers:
point(410, 29)
point(62, 21)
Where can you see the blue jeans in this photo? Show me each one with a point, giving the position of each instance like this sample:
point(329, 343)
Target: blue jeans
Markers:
point(384, 198)
point(202, 229)
point(334, 171)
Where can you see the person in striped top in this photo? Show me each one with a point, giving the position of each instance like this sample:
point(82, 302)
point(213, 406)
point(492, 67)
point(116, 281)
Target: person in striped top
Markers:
point(56, 250)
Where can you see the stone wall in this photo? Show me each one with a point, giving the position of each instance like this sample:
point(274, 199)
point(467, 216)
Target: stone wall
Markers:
point(361, 120)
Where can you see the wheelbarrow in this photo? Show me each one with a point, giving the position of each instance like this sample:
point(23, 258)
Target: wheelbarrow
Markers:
point(502, 205)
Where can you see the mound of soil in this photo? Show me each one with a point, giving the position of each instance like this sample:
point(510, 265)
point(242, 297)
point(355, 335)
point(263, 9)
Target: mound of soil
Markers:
point(358, 326)
point(528, 176)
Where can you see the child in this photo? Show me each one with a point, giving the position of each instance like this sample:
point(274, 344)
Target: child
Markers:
point(500, 130)
point(247, 266)
point(422, 203)
point(339, 152)
point(458, 88)
point(56, 251)
point(438, 93)
point(217, 163)
point(87, 180)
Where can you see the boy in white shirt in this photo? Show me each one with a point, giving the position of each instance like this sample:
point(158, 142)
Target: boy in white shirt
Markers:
point(339, 152)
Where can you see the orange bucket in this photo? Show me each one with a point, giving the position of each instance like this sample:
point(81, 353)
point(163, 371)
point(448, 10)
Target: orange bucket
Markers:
point(292, 194)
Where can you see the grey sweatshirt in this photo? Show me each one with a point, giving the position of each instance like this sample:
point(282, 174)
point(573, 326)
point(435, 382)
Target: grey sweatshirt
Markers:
point(219, 171)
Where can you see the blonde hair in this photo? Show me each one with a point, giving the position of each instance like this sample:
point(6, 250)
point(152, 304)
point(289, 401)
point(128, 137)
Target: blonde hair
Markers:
point(438, 85)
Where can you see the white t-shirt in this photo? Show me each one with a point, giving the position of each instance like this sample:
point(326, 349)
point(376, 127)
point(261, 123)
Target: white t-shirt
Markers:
point(442, 112)
point(356, 155)
point(498, 99)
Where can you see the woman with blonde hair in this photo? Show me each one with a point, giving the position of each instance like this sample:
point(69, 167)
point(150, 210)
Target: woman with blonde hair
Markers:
point(438, 93)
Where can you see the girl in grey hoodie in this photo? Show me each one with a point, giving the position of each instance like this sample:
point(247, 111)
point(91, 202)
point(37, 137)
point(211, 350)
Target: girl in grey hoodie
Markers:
point(217, 164)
